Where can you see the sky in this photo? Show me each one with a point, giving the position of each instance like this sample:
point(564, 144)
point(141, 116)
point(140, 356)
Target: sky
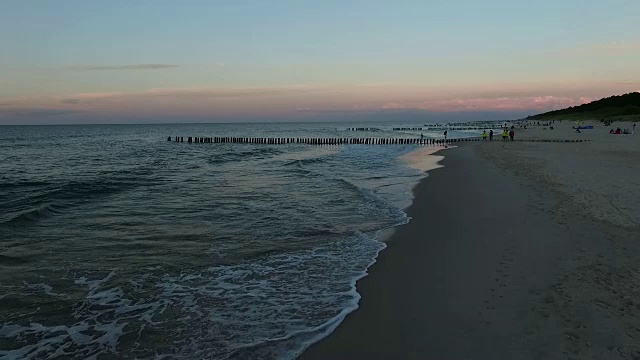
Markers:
point(120, 61)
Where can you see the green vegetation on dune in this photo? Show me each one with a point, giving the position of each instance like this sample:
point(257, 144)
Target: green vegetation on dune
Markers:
point(618, 107)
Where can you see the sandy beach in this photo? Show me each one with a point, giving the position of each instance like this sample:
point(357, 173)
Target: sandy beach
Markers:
point(519, 250)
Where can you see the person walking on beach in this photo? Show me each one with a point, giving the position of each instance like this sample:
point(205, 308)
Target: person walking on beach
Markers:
point(511, 134)
point(491, 135)
point(445, 138)
point(484, 135)
point(633, 128)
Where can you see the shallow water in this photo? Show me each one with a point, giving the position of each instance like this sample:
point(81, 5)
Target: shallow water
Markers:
point(118, 244)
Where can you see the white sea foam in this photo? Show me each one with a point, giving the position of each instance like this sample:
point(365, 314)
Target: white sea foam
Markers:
point(272, 307)
point(100, 322)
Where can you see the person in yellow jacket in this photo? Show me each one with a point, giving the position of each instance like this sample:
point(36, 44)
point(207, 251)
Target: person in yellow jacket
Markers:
point(484, 135)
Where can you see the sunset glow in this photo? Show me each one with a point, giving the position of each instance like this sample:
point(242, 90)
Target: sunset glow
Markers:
point(218, 62)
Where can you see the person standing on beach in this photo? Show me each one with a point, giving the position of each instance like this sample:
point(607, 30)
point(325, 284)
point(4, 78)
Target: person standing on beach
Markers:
point(633, 128)
point(445, 138)
point(511, 134)
point(484, 135)
point(491, 135)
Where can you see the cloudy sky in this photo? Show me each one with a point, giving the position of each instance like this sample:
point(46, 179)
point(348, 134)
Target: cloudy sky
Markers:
point(70, 61)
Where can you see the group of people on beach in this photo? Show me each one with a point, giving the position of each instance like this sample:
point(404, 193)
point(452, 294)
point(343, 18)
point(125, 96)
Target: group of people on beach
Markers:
point(506, 134)
point(625, 131)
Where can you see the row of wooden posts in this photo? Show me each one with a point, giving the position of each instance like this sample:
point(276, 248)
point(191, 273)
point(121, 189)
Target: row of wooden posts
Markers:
point(446, 128)
point(551, 140)
point(462, 128)
point(427, 128)
point(319, 141)
point(340, 141)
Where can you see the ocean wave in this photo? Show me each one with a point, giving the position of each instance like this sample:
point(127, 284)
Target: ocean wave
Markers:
point(25, 206)
point(370, 196)
point(238, 154)
point(23, 183)
point(266, 308)
point(306, 162)
point(274, 304)
point(32, 215)
point(304, 233)
point(90, 336)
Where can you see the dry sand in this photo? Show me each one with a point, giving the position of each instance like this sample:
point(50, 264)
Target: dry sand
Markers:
point(515, 251)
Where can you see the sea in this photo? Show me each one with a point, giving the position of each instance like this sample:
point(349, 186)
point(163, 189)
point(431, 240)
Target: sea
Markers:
point(116, 243)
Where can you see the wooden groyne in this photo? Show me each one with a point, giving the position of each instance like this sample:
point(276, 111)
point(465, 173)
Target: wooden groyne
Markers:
point(551, 140)
point(442, 128)
point(345, 141)
point(454, 128)
point(363, 129)
point(318, 141)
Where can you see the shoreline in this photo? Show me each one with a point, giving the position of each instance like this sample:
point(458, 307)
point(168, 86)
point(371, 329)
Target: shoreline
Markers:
point(389, 321)
point(423, 159)
point(499, 261)
point(407, 297)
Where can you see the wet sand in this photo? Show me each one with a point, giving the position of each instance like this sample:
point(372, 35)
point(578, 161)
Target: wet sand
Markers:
point(515, 251)
point(424, 159)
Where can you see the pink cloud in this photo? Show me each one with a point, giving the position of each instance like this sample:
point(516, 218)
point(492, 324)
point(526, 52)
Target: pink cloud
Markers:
point(95, 95)
point(546, 102)
point(392, 106)
point(299, 99)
